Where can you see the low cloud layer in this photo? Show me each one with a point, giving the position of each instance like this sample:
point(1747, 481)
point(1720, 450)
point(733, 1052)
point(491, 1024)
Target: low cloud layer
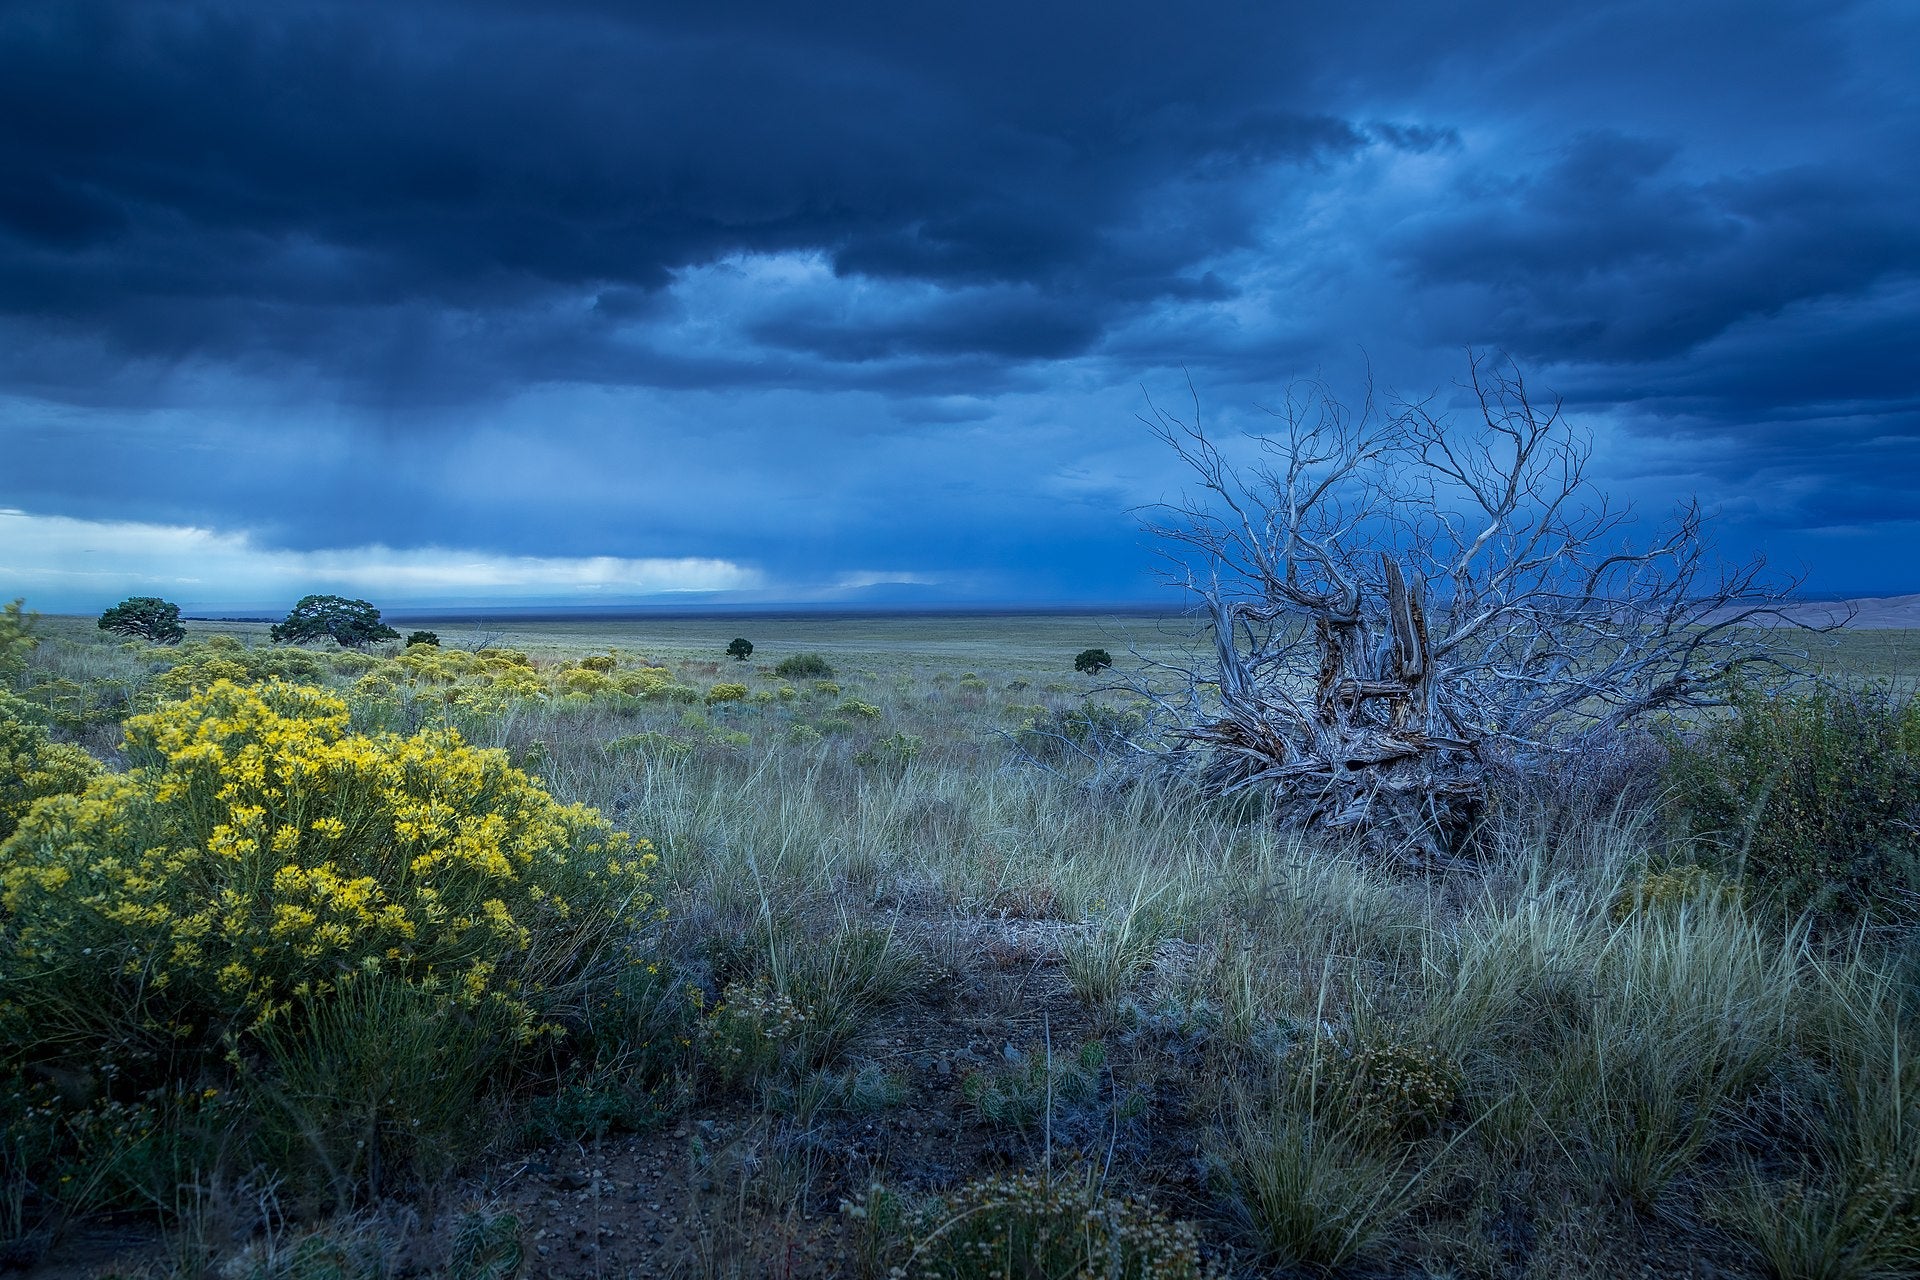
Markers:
point(817, 289)
point(67, 564)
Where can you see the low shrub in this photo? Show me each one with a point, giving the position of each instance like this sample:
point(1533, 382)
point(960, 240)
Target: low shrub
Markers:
point(198, 664)
point(1025, 1226)
point(804, 666)
point(1814, 798)
point(1673, 887)
point(892, 753)
point(660, 746)
point(726, 693)
point(1088, 729)
point(584, 681)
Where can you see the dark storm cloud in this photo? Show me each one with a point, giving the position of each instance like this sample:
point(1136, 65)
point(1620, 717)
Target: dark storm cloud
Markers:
point(1607, 254)
point(1017, 325)
point(673, 279)
point(233, 178)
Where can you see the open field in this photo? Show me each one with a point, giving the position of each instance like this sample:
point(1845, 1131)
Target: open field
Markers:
point(1027, 644)
point(921, 980)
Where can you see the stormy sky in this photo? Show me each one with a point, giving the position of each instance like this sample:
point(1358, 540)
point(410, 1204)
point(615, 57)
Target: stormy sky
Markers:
point(858, 302)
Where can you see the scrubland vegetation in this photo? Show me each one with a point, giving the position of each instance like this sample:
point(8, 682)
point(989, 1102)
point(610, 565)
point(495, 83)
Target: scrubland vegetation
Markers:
point(605, 953)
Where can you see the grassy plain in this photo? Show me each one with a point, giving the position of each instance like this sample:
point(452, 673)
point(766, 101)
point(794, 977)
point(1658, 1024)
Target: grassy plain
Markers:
point(937, 979)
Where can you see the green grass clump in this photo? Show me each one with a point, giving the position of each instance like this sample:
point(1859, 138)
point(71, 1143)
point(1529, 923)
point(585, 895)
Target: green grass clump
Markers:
point(799, 1002)
point(1020, 1095)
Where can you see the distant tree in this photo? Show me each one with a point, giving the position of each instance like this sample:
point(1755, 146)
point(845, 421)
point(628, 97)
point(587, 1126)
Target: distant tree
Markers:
point(423, 637)
point(1093, 661)
point(351, 623)
point(148, 617)
point(741, 648)
point(804, 666)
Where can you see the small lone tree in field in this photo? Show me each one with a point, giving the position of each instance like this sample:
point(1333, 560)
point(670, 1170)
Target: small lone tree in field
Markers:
point(1402, 604)
point(427, 638)
point(147, 618)
point(351, 623)
point(741, 648)
point(1092, 661)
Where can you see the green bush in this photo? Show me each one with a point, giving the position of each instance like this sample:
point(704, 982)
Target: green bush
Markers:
point(726, 693)
point(804, 666)
point(1812, 798)
point(427, 638)
point(741, 648)
point(1672, 888)
point(1092, 661)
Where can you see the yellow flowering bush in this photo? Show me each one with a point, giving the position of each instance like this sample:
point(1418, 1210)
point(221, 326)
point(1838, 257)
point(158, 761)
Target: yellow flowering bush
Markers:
point(199, 664)
point(490, 681)
point(259, 854)
point(33, 766)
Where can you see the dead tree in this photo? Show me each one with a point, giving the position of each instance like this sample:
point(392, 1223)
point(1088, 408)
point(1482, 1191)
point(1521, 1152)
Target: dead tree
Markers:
point(1402, 603)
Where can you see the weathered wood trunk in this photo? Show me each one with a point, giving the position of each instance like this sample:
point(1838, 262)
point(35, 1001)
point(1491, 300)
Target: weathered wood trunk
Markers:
point(1362, 752)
